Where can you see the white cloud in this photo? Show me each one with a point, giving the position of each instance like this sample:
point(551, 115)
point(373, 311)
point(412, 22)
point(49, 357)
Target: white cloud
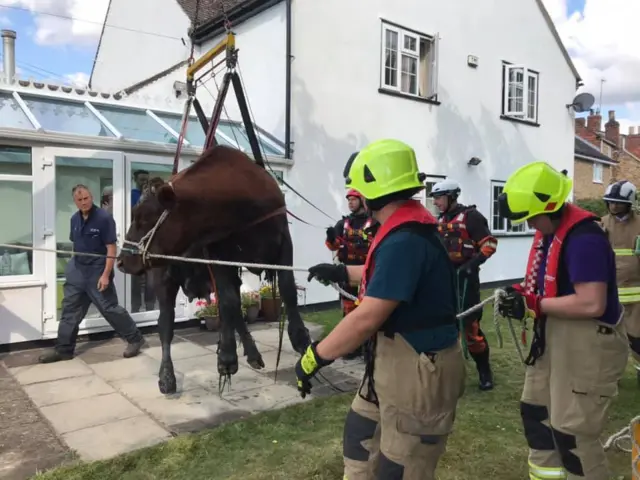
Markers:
point(62, 22)
point(604, 42)
point(78, 79)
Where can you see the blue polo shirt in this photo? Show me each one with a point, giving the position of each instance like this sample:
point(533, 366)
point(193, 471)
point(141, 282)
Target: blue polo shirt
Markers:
point(92, 236)
point(418, 274)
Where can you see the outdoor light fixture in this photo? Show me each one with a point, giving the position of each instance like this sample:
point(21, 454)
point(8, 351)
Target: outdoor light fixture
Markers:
point(474, 161)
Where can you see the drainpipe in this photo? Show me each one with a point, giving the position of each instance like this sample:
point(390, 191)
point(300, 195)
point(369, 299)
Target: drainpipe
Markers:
point(287, 106)
point(9, 54)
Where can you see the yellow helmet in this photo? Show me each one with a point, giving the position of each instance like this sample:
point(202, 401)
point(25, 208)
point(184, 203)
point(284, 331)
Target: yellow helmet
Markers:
point(532, 190)
point(383, 167)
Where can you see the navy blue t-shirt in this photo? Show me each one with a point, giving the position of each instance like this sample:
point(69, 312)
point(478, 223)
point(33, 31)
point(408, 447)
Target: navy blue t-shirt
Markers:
point(92, 235)
point(412, 270)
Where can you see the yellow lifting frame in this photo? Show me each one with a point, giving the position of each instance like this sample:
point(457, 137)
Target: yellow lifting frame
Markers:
point(227, 44)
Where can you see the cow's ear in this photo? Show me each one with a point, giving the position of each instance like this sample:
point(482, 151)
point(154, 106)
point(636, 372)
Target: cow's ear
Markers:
point(166, 196)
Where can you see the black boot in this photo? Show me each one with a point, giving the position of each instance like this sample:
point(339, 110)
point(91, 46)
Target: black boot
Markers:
point(485, 375)
point(54, 356)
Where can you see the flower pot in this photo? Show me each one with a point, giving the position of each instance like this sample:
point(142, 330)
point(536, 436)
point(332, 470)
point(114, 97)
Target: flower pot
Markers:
point(211, 323)
point(271, 309)
point(252, 313)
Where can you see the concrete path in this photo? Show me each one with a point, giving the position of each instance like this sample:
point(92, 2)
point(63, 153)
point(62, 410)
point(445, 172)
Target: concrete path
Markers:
point(101, 405)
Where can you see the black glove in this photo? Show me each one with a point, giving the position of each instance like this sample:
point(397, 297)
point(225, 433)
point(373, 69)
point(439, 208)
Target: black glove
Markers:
point(306, 368)
point(519, 305)
point(331, 234)
point(329, 273)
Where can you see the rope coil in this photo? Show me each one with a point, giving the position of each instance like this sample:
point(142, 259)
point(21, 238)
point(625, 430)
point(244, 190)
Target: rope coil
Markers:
point(630, 433)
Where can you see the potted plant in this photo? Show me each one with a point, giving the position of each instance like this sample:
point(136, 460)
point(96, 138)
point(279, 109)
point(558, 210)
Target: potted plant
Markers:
point(271, 307)
point(250, 306)
point(208, 313)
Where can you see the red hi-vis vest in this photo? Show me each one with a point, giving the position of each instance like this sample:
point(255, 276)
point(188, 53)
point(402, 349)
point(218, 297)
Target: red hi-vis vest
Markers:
point(457, 240)
point(412, 211)
point(356, 242)
point(571, 216)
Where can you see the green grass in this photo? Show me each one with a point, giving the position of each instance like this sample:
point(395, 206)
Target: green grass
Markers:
point(304, 441)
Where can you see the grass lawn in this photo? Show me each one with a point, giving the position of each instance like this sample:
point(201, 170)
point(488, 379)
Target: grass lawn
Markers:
point(304, 441)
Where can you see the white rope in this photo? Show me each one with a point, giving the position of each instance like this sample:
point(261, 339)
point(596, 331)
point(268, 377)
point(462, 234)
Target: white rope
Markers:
point(627, 434)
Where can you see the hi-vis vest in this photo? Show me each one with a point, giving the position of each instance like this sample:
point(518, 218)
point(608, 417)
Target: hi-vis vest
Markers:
point(456, 237)
point(622, 236)
point(356, 241)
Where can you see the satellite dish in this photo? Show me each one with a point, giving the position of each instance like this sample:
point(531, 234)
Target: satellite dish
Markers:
point(582, 103)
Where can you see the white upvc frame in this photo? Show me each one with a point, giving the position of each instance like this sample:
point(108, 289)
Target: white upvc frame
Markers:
point(521, 113)
point(48, 165)
point(598, 173)
point(431, 82)
point(504, 230)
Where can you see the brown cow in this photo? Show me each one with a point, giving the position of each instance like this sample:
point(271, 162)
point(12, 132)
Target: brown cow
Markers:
point(222, 207)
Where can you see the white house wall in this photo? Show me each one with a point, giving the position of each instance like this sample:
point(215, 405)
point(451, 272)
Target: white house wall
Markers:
point(127, 56)
point(337, 108)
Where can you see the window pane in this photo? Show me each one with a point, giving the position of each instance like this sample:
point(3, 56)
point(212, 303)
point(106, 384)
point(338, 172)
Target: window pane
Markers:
point(136, 124)
point(391, 58)
point(497, 222)
point(410, 43)
point(97, 175)
point(66, 117)
point(195, 134)
point(11, 115)
point(531, 97)
point(15, 161)
point(409, 74)
point(516, 90)
point(16, 227)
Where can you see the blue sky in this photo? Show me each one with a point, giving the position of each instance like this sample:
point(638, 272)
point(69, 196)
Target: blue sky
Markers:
point(62, 45)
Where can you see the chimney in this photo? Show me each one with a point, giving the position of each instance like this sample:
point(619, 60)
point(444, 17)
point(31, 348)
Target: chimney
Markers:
point(9, 54)
point(632, 130)
point(581, 122)
point(594, 121)
point(612, 128)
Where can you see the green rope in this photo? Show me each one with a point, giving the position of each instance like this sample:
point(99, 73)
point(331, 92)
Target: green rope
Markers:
point(461, 327)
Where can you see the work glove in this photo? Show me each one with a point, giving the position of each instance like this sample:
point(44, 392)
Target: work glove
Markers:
point(307, 367)
point(520, 305)
point(328, 273)
point(331, 234)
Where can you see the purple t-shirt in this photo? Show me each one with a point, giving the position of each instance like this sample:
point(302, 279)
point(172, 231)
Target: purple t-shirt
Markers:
point(588, 257)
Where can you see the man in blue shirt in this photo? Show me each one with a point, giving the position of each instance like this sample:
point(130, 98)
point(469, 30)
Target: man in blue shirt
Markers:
point(140, 178)
point(404, 411)
point(90, 280)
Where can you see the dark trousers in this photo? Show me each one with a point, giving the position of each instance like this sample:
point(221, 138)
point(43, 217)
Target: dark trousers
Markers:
point(141, 288)
point(80, 291)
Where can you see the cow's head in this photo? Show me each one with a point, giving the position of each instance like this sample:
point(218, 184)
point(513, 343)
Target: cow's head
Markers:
point(156, 198)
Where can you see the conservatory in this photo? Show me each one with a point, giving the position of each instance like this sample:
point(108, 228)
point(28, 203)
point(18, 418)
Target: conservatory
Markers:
point(52, 138)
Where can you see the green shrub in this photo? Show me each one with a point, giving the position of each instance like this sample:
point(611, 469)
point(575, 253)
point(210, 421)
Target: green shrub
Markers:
point(594, 205)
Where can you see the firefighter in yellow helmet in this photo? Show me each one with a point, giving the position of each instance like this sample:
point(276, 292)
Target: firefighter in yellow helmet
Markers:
point(579, 348)
point(622, 225)
point(400, 419)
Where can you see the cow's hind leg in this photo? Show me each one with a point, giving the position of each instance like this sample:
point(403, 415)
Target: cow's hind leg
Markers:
point(298, 332)
point(228, 286)
point(166, 290)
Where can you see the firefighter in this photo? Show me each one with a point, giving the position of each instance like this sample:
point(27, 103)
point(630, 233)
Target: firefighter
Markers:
point(404, 410)
point(579, 348)
point(623, 227)
point(351, 238)
point(468, 240)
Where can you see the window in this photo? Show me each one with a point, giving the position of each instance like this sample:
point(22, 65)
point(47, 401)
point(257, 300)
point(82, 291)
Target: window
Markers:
point(16, 211)
point(520, 89)
point(500, 224)
point(409, 62)
point(607, 150)
point(597, 172)
point(428, 202)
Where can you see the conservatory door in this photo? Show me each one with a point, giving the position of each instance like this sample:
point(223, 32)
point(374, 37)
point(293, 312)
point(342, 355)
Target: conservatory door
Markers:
point(141, 300)
point(102, 172)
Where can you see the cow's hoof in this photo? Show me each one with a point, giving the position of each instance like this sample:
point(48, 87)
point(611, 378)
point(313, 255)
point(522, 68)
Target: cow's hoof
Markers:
point(227, 364)
point(254, 359)
point(167, 381)
point(300, 338)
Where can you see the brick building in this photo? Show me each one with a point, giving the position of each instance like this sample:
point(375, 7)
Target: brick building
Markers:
point(608, 156)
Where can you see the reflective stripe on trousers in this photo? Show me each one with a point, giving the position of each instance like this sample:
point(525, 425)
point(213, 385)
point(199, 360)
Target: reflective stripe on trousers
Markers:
point(542, 473)
point(623, 252)
point(628, 295)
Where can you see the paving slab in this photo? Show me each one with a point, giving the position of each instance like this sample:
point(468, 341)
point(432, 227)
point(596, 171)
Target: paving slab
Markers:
point(89, 412)
point(115, 438)
point(139, 366)
point(265, 398)
point(67, 389)
point(287, 359)
point(141, 389)
point(51, 371)
point(178, 351)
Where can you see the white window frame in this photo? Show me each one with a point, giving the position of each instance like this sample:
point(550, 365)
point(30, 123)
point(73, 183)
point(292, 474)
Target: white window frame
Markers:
point(428, 202)
point(598, 173)
point(506, 228)
point(431, 83)
point(522, 113)
point(10, 280)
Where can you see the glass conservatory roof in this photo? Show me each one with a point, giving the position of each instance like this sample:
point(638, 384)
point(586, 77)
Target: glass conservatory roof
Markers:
point(28, 111)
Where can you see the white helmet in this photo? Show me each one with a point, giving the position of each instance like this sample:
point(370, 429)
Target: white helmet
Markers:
point(446, 187)
point(621, 192)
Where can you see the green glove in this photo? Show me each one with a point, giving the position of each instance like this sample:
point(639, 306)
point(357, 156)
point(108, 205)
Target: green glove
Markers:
point(306, 368)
